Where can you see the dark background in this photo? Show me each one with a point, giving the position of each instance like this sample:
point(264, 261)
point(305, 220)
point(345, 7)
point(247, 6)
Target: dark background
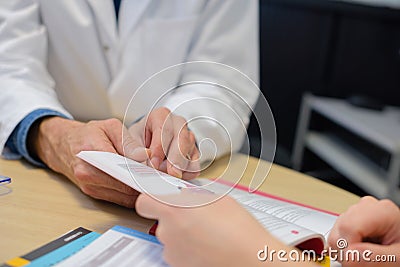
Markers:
point(329, 48)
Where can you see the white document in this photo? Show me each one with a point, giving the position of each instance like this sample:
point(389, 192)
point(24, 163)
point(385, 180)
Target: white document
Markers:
point(138, 176)
point(294, 224)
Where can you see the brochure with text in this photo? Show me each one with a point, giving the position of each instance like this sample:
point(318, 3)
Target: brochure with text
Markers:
point(119, 246)
point(293, 223)
point(56, 250)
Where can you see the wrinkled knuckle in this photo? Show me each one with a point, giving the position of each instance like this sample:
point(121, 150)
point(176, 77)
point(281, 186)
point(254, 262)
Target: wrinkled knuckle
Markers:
point(94, 123)
point(88, 190)
point(81, 172)
point(113, 123)
point(79, 169)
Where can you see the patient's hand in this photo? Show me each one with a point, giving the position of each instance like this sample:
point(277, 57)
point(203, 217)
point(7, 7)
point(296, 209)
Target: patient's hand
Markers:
point(370, 225)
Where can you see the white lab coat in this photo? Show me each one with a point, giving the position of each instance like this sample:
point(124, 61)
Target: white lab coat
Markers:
point(73, 57)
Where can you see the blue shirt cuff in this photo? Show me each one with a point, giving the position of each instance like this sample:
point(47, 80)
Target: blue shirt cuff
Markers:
point(17, 141)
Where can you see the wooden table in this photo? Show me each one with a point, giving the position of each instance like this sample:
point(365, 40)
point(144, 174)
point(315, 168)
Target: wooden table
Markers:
point(43, 205)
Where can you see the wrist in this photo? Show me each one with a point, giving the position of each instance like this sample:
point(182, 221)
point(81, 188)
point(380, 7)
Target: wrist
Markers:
point(32, 138)
point(46, 135)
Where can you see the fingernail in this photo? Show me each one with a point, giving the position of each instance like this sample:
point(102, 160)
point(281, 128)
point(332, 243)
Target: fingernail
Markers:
point(176, 172)
point(155, 162)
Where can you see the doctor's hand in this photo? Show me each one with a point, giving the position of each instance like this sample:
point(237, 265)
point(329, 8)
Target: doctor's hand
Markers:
point(221, 233)
point(172, 145)
point(372, 225)
point(56, 141)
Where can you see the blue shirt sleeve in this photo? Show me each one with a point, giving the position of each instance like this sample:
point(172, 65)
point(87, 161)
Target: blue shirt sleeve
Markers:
point(17, 141)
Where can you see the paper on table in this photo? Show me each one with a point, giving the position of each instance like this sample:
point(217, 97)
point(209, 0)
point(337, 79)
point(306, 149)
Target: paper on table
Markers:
point(138, 176)
point(294, 224)
point(119, 246)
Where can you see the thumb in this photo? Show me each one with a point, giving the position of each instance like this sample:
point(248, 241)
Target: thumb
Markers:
point(134, 147)
point(149, 207)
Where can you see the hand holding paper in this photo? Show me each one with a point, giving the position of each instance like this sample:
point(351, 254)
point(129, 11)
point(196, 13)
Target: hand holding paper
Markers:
point(212, 235)
point(371, 225)
point(215, 225)
point(292, 223)
point(172, 145)
point(56, 142)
